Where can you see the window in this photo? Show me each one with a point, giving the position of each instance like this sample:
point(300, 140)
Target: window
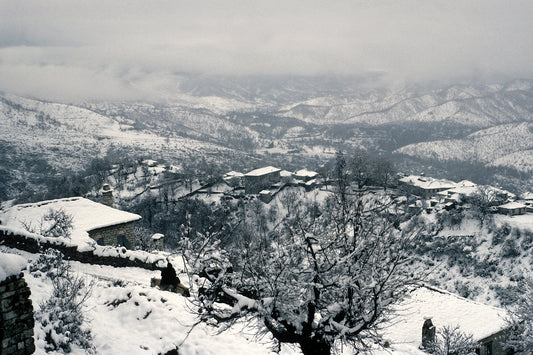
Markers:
point(100, 241)
point(487, 348)
point(122, 241)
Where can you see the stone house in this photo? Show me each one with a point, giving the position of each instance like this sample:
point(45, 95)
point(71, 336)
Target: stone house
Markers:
point(233, 178)
point(486, 324)
point(104, 224)
point(260, 179)
point(425, 187)
point(305, 175)
point(266, 196)
point(512, 208)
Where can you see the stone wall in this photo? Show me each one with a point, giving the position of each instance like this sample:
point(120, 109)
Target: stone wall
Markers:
point(494, 344)
point(110, 235)
point(71, 252)
point(16, 322)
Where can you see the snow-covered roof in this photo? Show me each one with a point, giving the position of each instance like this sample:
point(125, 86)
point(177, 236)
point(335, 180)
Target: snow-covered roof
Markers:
point(465, 190)
point(285, 173)
point(11, 264)
point(512, 205)
point(311, 182)
point(87, 215)
point(262, 171)
point(307, 173)
point(456, 197)
point(150, 162)
point(527, 196)
point(157, 236)
point(466, 183)
point(232, 174)
point(427, 183)
point(444, 309)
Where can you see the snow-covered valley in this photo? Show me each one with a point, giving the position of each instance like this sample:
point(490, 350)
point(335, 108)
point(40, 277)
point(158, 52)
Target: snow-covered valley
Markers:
point(483, 124)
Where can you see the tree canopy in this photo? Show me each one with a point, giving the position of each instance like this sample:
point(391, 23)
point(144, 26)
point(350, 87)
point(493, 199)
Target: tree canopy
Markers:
point(327, 274)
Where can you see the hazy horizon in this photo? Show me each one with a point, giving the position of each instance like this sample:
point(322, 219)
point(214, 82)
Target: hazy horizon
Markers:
point(65, 50)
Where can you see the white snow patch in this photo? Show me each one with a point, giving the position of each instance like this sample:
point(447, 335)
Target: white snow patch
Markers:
point(10, 265)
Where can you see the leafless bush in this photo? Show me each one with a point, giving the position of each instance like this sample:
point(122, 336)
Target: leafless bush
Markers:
point(55, 223)
point(451, 340)
point(61, 315)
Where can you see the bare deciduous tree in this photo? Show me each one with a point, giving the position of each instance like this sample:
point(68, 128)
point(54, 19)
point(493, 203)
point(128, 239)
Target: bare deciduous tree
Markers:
point(322, 277)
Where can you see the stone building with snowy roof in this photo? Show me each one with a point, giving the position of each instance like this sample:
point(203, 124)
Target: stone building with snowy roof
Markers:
point(305, 175)
point(233, 178)
point(512, 208)
point(260, 179)
point(106, 225)
point(424, 186)
point(486, 324)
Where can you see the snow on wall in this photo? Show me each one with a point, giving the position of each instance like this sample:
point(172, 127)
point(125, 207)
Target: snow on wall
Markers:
point(84, 251)
point(10, 265)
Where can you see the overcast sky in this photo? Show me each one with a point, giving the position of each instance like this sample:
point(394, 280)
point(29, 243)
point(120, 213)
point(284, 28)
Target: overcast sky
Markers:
point(65, 49)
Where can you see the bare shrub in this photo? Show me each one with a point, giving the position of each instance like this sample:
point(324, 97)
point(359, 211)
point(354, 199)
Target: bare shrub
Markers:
point(61, 315)
point(451, 340)
point(55, 223)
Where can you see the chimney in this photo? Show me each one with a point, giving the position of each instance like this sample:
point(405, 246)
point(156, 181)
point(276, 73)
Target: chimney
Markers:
point(107, 195)
point(157, 239)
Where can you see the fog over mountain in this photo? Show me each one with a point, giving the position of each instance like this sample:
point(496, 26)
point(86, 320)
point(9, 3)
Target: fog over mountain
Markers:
point(65, 51)
point(260, 81)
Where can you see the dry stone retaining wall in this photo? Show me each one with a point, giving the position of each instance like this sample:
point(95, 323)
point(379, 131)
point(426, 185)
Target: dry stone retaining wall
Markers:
point(16, 319)
point(71, 252)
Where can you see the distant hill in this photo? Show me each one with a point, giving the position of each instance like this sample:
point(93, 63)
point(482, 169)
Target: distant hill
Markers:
point(289, 122)
point(507, 145)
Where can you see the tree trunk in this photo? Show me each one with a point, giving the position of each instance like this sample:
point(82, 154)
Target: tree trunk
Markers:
point(313, 346)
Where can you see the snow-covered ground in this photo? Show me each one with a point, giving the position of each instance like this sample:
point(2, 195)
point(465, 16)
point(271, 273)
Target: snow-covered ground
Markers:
point(127, 316)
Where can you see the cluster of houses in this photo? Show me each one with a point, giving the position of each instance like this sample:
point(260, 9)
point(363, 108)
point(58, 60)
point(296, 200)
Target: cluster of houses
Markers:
point(106, 225)
point(266, 182)
point(433, 193)
point(109, 226)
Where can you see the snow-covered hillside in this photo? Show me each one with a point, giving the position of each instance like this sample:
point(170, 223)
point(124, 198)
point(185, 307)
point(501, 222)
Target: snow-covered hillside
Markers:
point(69, 136)
point(291, 121)
point(479, 106)
point(41, 140)
point(505, 145)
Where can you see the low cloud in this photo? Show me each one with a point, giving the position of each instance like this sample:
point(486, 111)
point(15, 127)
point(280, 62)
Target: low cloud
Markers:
point(123, 49)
